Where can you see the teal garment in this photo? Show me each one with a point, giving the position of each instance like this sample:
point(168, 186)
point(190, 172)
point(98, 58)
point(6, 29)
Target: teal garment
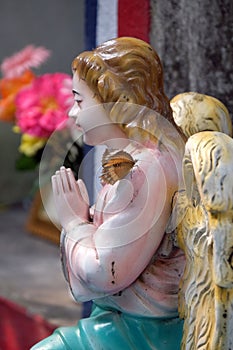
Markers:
point(112, 330)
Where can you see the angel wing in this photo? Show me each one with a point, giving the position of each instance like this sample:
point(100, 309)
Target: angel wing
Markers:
point(205, 233)
point(194, 112)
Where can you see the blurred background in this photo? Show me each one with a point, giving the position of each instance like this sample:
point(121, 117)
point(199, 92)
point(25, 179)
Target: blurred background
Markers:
point(55, 25)
point(34, 296)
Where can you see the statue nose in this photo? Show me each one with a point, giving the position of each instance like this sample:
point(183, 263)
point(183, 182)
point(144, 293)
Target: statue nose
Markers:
point(73, 111)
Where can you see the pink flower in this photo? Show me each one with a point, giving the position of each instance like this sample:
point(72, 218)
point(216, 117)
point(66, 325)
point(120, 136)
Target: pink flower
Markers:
point(42, 107)
point(29, 57)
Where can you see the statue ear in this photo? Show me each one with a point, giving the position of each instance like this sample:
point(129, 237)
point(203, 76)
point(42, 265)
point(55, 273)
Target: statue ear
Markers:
point(111, 89)
point(107, 86)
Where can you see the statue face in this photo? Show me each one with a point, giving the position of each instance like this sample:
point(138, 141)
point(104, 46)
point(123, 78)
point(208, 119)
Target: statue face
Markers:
point(88, 112)
point(90, 115)
point(83, 97)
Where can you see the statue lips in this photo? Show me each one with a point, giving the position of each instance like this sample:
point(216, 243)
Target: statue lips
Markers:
point(78, 126)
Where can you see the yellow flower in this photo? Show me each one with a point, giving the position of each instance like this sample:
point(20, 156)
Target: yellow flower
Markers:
point(31, 144)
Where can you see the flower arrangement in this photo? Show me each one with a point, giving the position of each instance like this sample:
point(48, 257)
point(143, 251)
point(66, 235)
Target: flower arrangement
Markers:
point(35, 105)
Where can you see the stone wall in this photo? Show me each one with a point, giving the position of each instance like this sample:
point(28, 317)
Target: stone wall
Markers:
point(194, 40)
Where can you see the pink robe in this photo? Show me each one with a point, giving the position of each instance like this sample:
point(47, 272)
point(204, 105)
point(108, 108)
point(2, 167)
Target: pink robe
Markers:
point(123, 259)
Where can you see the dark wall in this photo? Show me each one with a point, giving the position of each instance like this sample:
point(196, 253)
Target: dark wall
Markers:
point(55, 24)
point(59, 26)
point(194, 39)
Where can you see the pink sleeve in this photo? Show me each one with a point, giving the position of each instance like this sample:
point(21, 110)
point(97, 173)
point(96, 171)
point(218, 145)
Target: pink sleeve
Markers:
point(106, 256)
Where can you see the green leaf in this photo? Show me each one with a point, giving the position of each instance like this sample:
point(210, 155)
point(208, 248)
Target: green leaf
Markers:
point(26, 163)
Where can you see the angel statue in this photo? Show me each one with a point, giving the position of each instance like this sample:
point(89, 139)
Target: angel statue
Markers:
point(125, 252)
point(205, 215)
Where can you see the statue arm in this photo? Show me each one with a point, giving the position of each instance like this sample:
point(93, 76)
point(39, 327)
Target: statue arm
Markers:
point(104, 258)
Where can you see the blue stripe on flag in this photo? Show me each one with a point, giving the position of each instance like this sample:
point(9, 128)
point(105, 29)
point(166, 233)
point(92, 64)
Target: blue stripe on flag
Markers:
point(90, 43)
point(90, 24)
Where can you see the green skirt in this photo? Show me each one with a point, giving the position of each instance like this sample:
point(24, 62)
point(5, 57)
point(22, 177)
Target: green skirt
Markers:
point(112, 330)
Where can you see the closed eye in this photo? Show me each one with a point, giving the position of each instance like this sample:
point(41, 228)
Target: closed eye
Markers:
point(79, 102)
point(77, 98)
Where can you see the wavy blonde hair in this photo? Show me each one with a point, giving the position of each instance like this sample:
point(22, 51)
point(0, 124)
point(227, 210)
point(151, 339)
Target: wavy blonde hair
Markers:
point(124, 73)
